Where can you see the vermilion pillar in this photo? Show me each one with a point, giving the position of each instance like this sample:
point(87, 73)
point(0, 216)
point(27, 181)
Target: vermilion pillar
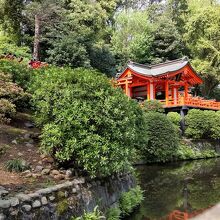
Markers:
point(130, 91)
point(152, 92)
point(167, 92)
point(186, 91)
point(175, 95)
point(148, 91)
point(127, 89)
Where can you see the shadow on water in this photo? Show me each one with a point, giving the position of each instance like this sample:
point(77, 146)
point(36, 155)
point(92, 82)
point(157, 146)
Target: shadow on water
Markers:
point(185, 189)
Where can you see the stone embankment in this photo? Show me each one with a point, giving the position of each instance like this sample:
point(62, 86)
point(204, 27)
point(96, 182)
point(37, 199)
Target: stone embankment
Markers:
point(65, 200)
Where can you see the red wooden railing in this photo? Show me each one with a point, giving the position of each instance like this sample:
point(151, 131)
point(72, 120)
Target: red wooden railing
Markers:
point(178, 215)
point(196, 102)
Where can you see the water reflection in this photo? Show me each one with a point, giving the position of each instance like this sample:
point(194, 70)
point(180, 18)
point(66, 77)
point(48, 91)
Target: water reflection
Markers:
point(184, 189)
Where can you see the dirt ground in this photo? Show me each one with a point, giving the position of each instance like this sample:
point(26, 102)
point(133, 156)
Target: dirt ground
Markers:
point(18, 140)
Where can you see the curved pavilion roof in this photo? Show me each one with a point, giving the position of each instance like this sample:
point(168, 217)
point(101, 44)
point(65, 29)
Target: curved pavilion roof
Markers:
point(158, 69)
point(161, 69)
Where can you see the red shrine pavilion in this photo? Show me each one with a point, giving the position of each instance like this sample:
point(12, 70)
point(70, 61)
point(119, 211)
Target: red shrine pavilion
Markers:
point(167, 82)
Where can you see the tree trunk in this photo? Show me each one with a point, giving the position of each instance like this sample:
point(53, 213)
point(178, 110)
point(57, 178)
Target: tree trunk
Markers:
point(36, 38)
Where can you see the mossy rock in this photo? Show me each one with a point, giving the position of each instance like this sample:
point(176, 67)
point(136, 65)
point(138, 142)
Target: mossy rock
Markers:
point(62, 206)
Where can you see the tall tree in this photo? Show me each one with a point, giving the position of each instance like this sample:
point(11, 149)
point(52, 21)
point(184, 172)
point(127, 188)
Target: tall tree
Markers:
point(167, 42)
point(82, 37)
point(11, 17)
point(203, 41)
point(136, 4)
point(179, 11)
point(43, 13)
point(131, 39)
point(195, 5)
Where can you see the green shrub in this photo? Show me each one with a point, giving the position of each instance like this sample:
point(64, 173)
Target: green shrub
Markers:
point(215, 128)
point(185, 152)
point(86, 122)
point(16, 165)
point(20, 73)
point(113, 214)
point(202, 124)
point(95, 215)
point(130, 200)
point(162, 138)
point(10, 93)
point(7, 110)
point(175, 118)
point(209, 154)
point(153, 106)
point(197, 124)
point(7, 45)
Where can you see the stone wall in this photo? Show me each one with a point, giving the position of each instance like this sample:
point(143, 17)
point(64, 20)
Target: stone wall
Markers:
point(67, 199)
point(207, 144)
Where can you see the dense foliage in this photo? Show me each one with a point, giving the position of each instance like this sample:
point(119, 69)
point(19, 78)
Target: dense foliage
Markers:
point(106, 35)
point(203, 124)
point(203, 41)
point(19, 72)
point(162, 138)
point(7, 45)
point(86, 122)
point(186, 152)
point(131, 38)
point(10, 95)
point(174, 117)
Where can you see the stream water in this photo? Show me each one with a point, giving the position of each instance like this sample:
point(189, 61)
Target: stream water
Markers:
point(183, 189)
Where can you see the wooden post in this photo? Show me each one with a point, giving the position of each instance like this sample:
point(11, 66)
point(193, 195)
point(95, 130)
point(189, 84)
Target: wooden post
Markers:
point(127, 92)
point(152, 92)
point(167, 92)
point(130, 92)
point(148, 91)
point(175, 95)
point(186, 87)
point(154, 95)
point(172, 92)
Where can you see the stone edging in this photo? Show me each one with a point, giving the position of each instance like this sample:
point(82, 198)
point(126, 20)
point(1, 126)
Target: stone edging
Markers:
point(40, 198)
point(65, 200)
